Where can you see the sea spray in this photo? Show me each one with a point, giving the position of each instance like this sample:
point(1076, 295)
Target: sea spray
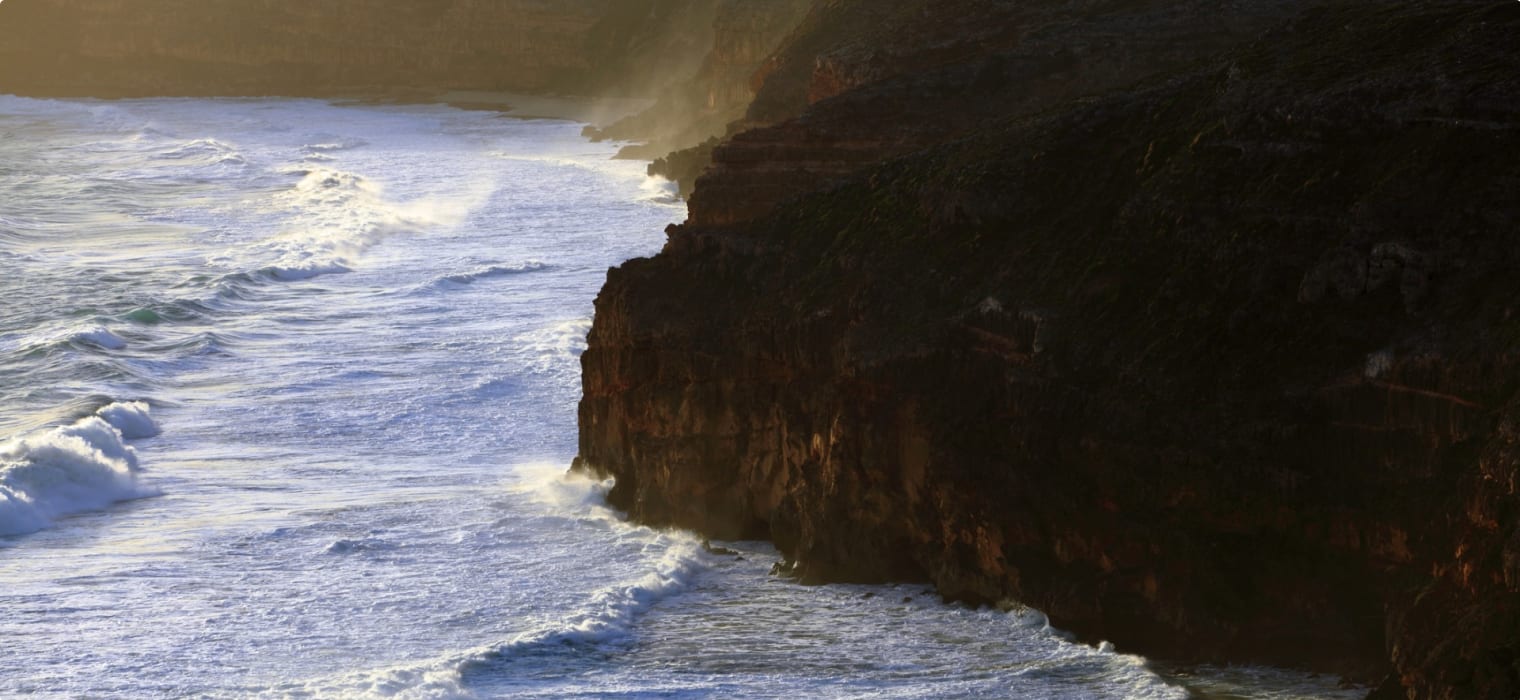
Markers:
point(131, 418)
point(72, 469)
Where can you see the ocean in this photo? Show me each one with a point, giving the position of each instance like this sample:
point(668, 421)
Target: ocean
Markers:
point(287, 400)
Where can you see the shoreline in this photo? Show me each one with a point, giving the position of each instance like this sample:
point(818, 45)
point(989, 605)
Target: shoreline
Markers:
point(585, 109)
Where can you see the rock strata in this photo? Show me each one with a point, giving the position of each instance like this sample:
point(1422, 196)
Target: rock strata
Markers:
point(1206, 347)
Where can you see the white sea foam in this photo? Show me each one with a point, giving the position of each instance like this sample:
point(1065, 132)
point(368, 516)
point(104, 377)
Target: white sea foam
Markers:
point(611, 614)
point(437, 681)
point(658, 190)
point(71, 469)
point(548, 484)
point(335, 216)
point(132, 419)
point(553, 348)
point(607, 620)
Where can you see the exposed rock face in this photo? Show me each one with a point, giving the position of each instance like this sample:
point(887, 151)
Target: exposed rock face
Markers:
point(907, 75)
point(1215, 364)
point(252, 47)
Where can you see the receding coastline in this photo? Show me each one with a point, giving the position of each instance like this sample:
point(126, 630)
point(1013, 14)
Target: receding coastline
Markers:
point(1194, 337)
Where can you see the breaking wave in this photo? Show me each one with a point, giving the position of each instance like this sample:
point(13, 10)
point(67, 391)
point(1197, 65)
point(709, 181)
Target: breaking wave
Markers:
point(99, 336)
point(609, 618)
point(465, 278)
point(130, 418)
point(72, 469)
point(203, 152)
point(606, 622)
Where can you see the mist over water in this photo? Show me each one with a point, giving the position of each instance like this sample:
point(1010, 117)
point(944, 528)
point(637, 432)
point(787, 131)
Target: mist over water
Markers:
point(287, 394)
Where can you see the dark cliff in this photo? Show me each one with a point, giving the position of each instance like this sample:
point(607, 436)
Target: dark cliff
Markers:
point(112, 48)
point(1202, 340)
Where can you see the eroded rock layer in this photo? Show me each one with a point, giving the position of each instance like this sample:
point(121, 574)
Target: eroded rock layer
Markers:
point(1211, 352)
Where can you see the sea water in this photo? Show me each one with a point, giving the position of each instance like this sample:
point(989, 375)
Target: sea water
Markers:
point(287, 397)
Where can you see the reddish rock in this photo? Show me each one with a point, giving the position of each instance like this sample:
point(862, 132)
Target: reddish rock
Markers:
point(1216, 364)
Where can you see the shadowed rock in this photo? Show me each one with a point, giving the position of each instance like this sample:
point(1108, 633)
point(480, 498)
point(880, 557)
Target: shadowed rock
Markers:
point(1205, 349)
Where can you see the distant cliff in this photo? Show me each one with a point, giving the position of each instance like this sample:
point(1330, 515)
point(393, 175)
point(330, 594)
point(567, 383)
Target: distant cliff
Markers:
point(692, 113)
point(255, 47)
point(1191, 324)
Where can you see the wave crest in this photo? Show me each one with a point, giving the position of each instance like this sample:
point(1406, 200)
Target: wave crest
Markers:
point(99, 336)
point(130, 418)
point(487, 272)
point(72, 469)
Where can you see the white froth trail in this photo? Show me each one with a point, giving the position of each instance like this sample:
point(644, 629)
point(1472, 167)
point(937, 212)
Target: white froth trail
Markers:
point(607, 620)
point(72, 469)
point(439, 681)
point(610, 615)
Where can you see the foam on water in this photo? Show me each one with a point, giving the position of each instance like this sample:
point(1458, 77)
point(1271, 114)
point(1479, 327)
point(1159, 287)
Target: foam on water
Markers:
point(661, 191)
point(351, 513)
point(132, 419)
point(609, 617)
point(335, 216)
point(72, 469)
point(606, 621)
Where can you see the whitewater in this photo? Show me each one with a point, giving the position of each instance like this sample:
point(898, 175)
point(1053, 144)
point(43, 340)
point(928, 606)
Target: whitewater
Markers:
point(287, 398)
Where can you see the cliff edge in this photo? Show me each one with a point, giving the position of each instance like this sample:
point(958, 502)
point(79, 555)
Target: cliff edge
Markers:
point(1202, 340)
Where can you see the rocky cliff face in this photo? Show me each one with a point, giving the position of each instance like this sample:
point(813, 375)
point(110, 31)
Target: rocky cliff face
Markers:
point(1207, 350)
point(252, 47)
point(903, 76)
point(697, 109)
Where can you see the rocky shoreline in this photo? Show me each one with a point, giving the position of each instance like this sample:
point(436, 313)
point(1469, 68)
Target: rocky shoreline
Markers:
point(1197, 338)
point(1191, 324)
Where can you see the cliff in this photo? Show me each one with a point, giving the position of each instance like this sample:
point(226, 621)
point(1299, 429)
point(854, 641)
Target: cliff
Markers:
point(123, 48)
point(691, 113)
point(1202, 340)
point(902, 76)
